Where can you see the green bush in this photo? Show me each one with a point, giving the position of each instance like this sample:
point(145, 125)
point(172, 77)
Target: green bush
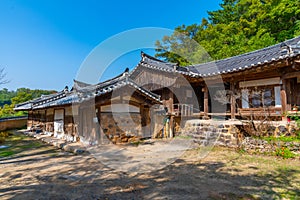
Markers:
point(3, 135)
point(284, 152)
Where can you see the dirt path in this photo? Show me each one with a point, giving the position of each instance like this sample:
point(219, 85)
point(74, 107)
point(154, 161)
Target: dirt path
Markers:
point(44, 172)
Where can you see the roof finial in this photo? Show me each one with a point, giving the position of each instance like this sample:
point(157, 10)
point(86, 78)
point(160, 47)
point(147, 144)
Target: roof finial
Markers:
point(285, 49)
point(143, 55)
point(66, 89)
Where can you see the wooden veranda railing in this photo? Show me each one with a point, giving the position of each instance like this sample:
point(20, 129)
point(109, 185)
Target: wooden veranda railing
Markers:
point(183, 109)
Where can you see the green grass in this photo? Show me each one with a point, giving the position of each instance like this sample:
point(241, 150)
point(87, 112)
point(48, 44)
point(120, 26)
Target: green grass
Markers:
point(6, 153)
point(282, 138)
point(284, 153)
point(18, 143)
point(184, 137)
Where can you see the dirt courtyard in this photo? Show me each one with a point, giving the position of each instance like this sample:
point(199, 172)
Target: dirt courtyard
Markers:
point(45, 172)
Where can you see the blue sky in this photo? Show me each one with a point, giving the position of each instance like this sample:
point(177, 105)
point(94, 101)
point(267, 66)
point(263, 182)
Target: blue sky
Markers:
point(44, 43)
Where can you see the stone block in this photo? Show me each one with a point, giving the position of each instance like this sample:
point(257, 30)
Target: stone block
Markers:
point(282, 129)
point(221, 126)
point(118, 141)
point(224, 130)
point(228, 137)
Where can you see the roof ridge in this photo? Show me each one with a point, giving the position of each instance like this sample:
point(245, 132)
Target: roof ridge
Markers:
point(106, 82)
point(80, 82)
point(245, 54)
point(144, 55)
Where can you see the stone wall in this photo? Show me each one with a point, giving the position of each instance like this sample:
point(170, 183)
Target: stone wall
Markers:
point(229, 133)
point(12, 124)
point(254, 145)
point(271, 128)
point(121, 127)
point(210, 132)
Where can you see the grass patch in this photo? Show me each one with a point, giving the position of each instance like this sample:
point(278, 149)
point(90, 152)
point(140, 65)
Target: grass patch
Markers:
point(282, 139)
point(4, 135)
point(6, 153)
point(18, 143)
point(184, 137)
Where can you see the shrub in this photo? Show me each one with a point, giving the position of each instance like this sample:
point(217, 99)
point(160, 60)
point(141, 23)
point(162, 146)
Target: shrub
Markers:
point(3, 135)
point(284, 152)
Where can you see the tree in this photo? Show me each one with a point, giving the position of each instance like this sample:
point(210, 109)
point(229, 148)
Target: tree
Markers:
point(2, 77)
point(240, 26)
point(8, 99)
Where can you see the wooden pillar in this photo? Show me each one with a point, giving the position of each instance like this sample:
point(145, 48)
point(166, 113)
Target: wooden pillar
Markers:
point(94, 123)
point(171, 102)
point(232, 100)
point(283, 97)
point(99, 128)
point(45, 121)
point(30, 120)
point(80, 121)
point(288, 92)
point(169, 125)
point(205, 100)
point(171, 134)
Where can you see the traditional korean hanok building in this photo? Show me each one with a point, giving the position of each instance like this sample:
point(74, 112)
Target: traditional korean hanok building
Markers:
point(117, 110)
point(52, 114)
point(264, 83)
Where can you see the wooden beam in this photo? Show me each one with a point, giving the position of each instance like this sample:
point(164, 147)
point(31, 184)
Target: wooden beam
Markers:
point(260, 82)
point(205, 100)
point(283, 98)
point(232, 99)
point(291, 75)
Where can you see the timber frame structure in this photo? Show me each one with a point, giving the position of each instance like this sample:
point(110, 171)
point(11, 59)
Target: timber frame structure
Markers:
point(265, 82)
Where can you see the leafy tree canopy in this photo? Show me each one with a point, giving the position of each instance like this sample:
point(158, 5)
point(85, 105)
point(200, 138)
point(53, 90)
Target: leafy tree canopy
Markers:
point(8, 99)
point(239, 26)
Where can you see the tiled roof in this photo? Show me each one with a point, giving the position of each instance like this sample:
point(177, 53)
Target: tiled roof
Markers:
point(85, 92)
point(67, 99)
point(89, 88)
point(79, 84)
point(248, 60)
point(228, 65)
point(156, 64)
point(60, 98)
point(114, 84)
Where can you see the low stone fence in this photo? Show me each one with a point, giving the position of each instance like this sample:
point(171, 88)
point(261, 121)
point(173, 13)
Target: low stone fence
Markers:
point(211, 132)
point(271, 128)
point(230, 134)
point(254, 145)
point(12, 123)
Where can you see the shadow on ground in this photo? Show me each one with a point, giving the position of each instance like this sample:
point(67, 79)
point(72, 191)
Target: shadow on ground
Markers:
point(49, 174)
